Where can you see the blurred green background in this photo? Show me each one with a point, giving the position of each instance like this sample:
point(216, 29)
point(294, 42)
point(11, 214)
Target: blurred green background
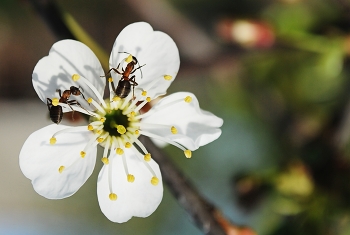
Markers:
point(276, 71)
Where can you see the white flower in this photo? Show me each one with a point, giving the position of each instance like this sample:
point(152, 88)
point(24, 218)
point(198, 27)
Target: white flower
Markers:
point(58, 159)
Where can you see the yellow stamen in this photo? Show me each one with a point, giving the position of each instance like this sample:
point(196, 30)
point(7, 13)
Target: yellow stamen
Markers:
point(105, 160)
point(147, 157)
point(119, 151)
point(110, 79)
point(173, 130)
point(128, 145)
point(148, 99)
point(154, 180)
point(188, 99)
point(121, 129)
point(75, 77)
point(132, 114)
point(144, 93)
point(137, 132)
point(167, 77)
point(60, 169)
point(188, 153)
point(89, 100)
point(100, 139)
point(55, 101)
point(128, 59)
point(130, 178)
point(90, 127)
point(113, 196)
point(53, 140)
point(82, 154)
point(102, 119)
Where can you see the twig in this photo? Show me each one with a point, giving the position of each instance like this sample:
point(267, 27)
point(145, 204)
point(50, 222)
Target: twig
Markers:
point(51, 15)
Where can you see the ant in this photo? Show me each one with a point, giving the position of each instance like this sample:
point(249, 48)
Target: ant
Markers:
point(124, 85)
point(56, 112)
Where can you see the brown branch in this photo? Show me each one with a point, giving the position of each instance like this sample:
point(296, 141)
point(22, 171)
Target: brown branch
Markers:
point(204, 214)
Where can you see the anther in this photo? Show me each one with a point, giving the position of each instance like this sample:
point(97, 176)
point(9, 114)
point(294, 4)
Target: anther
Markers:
point(55, 101)
point(113, 196)
point(53, 140)
point(119, 151)
point(60, 169)
point(167, 77)
point(137, 132)
point(82, 154)
point(188, 153)
point(144, 93)
point(132, 114)
point(75, 77)
point(130, 178)
point(121, 129)
point(105, 160)
point(110, 79)
point(148, 99)
point(128, 145)
point(154, 181)
point(128, 59)
point(100, 139)
point(147, 157)
point(102, 119)
point(90, 127)
point(173, 130)
point(188, 99)
point(89, 100)
point(116, 98)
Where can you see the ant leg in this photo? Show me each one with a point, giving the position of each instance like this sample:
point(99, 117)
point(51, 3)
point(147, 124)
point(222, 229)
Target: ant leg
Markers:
point(48, 103)
point(59, 92)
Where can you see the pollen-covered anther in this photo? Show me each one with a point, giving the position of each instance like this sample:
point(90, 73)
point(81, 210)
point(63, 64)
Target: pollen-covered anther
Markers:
point(188, 99)
point(154, 181)
point(55, 101)
point(188, 153)
point(144, 93)
point(90, 127)
point(173, 130)
point(128, 145)
point(147, 157)
point(130, 178)
point(128, 59)
point(119, 151)
point(102, 119)
point(53, 140)
point(121, 129)
point(105, 160)
point(113, 196)
point(137, 132)
point(61, 169)
point(82, 154)
point(167, 77)
point(75, 77)
point(89, 100)
point(148, 99)
point(100, 139)
point(110, 79)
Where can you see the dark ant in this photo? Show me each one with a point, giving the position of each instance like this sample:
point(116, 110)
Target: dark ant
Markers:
point(124, 85)
point(56, 112)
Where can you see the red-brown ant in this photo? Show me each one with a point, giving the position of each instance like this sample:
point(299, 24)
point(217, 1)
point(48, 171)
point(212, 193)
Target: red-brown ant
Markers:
point(56, 112)
point(124, 85)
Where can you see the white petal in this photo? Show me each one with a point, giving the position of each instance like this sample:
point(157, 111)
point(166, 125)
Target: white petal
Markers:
point(154, 49)
point(68, 57)
point(195, 126)
point(139, 198)
point(40, 161)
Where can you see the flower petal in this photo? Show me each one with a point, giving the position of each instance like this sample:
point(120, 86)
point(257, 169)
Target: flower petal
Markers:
point(139, 198)
point(40, 161)
point(68, 57)
point(153, 49)
point(195, 127)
